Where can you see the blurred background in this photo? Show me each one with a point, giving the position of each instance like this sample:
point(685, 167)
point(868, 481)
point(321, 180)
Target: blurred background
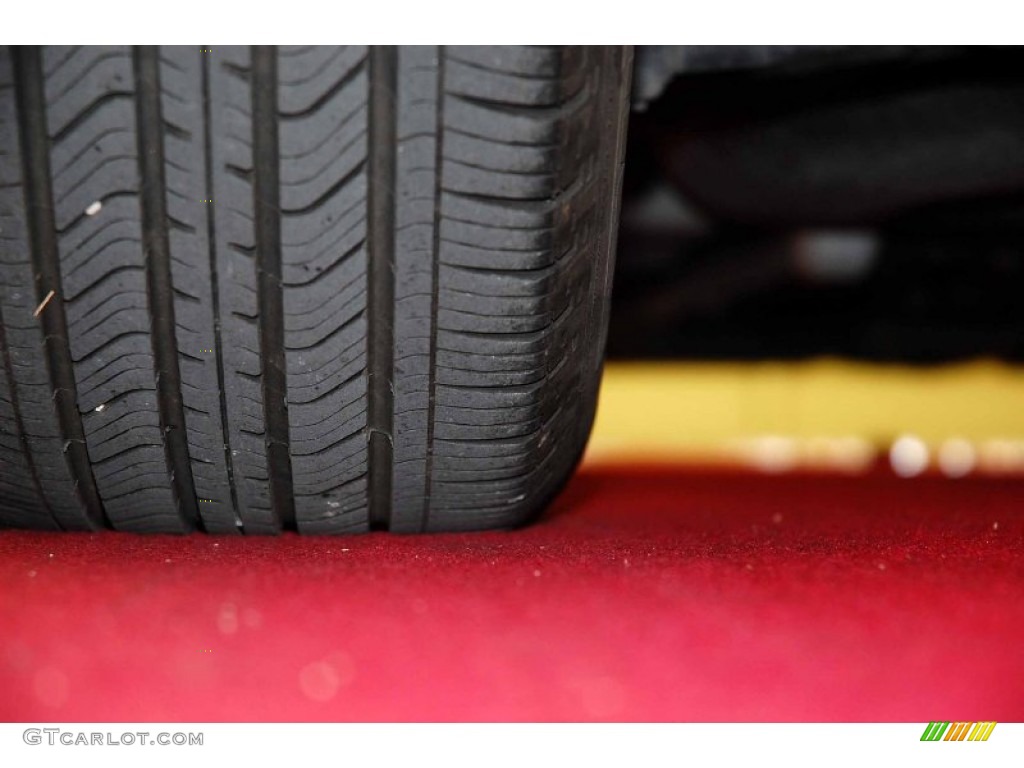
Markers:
point(820, 261)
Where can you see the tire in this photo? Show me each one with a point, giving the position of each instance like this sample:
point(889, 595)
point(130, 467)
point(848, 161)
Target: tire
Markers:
point(319, 289)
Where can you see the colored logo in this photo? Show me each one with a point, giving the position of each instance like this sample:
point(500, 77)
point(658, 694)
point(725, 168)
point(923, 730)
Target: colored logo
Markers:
point(958, 731)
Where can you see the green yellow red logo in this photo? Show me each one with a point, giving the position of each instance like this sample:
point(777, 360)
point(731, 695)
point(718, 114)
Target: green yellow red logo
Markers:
point(958, 731)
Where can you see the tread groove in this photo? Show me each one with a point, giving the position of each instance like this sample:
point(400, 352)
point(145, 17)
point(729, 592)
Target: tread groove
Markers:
point(215, 295)
point(158, 282)
point(380, 281)
point(266, 203)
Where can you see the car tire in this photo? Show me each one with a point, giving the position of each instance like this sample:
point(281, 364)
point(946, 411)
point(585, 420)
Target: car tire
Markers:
point(320, 289)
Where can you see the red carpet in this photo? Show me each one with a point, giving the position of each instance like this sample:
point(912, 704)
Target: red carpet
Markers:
point(643, 596)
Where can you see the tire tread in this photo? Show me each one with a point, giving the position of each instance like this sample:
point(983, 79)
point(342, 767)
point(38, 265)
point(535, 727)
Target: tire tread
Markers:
point(329, 289)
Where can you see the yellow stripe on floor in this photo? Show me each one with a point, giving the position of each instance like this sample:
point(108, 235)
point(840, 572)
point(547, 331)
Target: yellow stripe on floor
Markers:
point(829, 410)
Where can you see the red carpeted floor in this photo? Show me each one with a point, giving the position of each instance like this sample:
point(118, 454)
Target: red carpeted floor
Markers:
point(644, 595)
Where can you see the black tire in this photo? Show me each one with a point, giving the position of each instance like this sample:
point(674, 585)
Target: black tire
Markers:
point(321, 289)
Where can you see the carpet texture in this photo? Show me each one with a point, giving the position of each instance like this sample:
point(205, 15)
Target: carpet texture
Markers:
point(645, 594)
